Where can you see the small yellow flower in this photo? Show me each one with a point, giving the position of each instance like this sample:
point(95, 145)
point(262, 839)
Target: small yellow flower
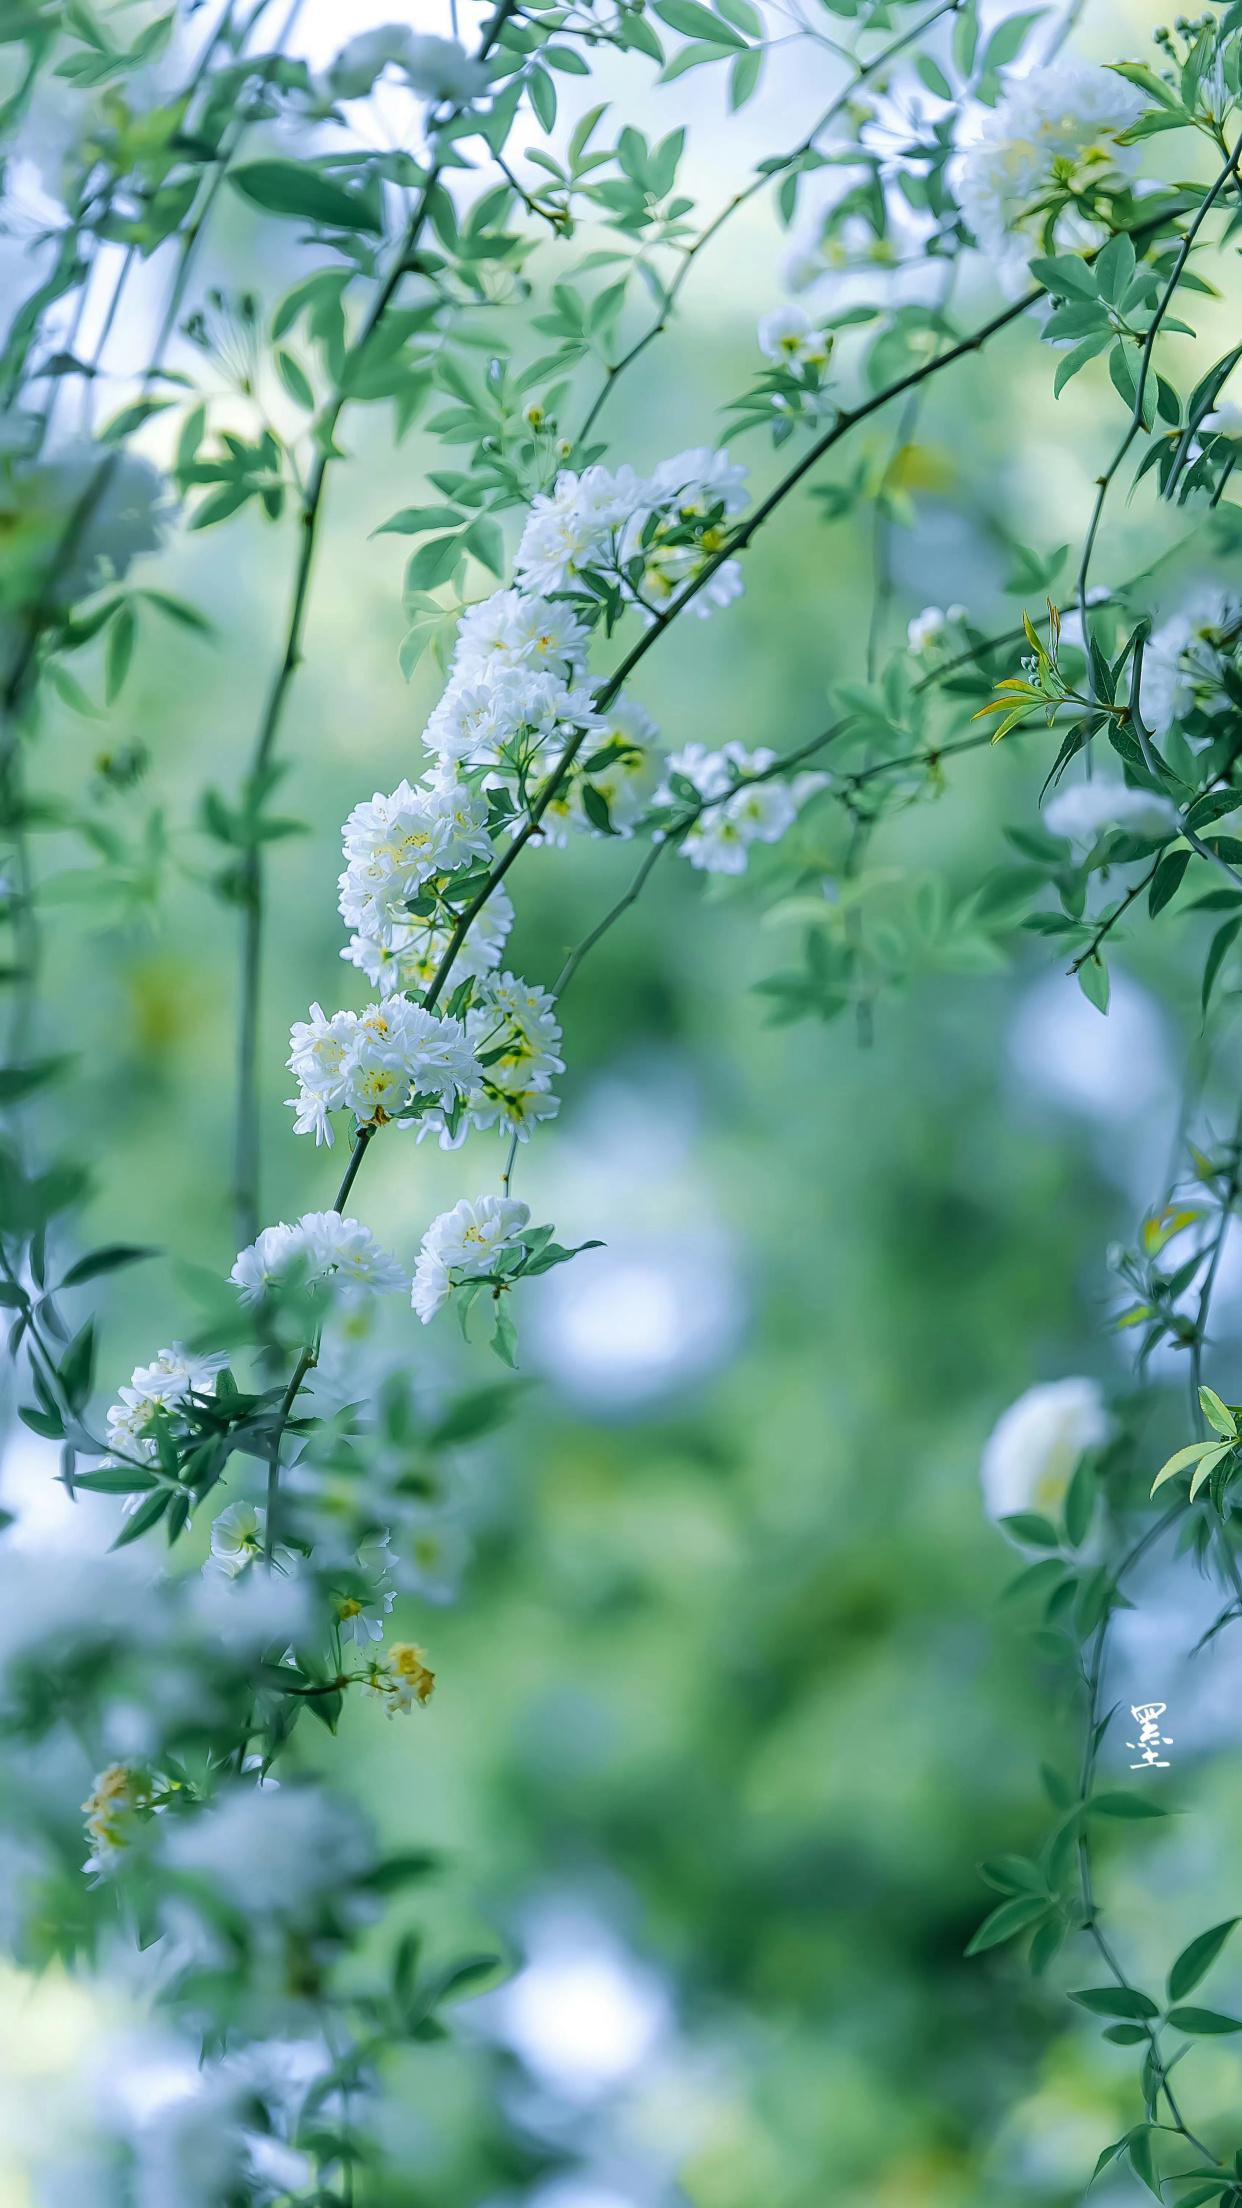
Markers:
point(402, 1677)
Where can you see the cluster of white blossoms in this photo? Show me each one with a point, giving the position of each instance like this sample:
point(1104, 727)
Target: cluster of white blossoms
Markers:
point(394, 845)
point(513, 1030)
point(1034, 1448)
point(649, 535)
point(737, 808)
point(433, 68)
point(163, 1387)
point(321, 1246)
point(1082, 811)
point(376, 1063)
point(464, 1244)
point(1188, 655)
point(1053, 134)
point(931, 627)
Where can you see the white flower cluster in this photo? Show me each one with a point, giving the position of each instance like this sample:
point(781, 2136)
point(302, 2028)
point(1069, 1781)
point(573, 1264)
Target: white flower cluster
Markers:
point(375, 1063)
point(434, 68)
point(1187, 657)
point(1082, 811)
point(321, 1246)
point(464, 1244)
point(738, 809)
point(1056, 128)
point(164, 1386)
point(514, 1033)
point(931, 627)
point(603, 522)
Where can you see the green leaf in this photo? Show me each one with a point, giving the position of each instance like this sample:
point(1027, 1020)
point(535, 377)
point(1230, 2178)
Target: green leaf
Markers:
point(105, 1260)
point(542, 97)
point(1203, 2021)
point(1124, 1805)
point(1028, 1526)
point(1179, 1461)
point(694, 21)
point(295, 188)
point(504, 1333)
point(1006, 1921)
point(1093, 982)
point(19, 1081)
point(412, 520)
point(119, 653)
point(1220, 945)
point(1218, 1414)
point(1196, 1960)
point(147, 1515)
point(432, 563)
point(295, 379)
point(1007, 40)
point(1124, 2001)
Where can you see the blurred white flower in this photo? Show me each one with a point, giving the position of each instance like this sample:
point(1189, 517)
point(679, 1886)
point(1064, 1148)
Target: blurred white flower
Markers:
point(1082, 811)
point(1058, 125)
point(789, 337)
point(1032, 1451)
point(435, 68)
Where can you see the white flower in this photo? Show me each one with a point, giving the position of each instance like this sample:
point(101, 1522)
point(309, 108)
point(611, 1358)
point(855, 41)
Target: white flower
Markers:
point(1224, 420)
point(408, 957)
point(789, 336)
point(321, 1246)
point(511, 629)
point(1033, 1450)
point(265, 1260)
point(165, 1385)
point(624, 780)
point(573, 527)
point(929, 626)
point(362, 1605)
point(464, 1244)
point(1186, 656)
point(436, 68)
point(1083, 810)
point(694, 483)
point(737, 812)
point(1062, 120)
point(237, 1538)
point(278, 1852)
point(503, 720)
point(376, 1063)
point(394, 844)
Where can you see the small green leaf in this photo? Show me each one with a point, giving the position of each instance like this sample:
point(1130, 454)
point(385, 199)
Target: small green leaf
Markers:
point(1006, 1921)
point(1196, 1960)
point(295, 188)
point(1218, 1414)
point(1205, 2021)
point(1124, 2001)
point(1125, 1805)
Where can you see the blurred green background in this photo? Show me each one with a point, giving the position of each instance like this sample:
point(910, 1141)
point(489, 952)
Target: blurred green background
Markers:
point(727, 1710)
